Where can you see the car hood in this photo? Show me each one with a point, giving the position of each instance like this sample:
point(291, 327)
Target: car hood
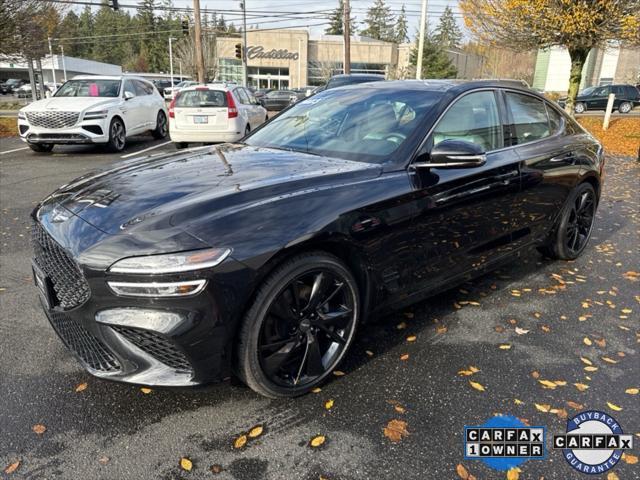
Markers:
point(69, 104)
point(177, 189)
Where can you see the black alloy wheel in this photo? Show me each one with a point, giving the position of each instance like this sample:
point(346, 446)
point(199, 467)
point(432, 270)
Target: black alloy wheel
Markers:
point(117, 136)
point(575, 226)
point(161, 129)
point(300, 326)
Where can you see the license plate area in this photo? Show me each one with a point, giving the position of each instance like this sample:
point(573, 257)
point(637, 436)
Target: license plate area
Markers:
point(200, 119)
point(44, 285)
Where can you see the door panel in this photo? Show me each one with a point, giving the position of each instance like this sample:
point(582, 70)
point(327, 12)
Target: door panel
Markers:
point(133, 110)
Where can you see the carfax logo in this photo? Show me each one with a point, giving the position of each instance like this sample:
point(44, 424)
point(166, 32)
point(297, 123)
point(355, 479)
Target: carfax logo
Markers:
point(504, 442)
point(593, 443)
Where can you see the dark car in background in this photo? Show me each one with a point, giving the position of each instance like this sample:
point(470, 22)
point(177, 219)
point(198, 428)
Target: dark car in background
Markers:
point(11, 85)
point(351, 79)
point(627, 97)
point(277, 100)
point(263, 257)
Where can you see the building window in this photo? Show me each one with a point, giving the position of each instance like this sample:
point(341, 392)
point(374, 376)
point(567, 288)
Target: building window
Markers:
point(375, 68)
point(230, 70)
point(268, 77)
point(320, 72)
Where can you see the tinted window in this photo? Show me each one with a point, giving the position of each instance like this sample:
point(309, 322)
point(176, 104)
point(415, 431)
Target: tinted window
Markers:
point(89, 88)
point(600, 92)
point(529, 117)
point(555, 120)
point(357, 124)
point(201, 98)
point(474, 118)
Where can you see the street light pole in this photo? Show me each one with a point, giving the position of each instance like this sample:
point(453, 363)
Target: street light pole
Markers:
point(346, 29)
point(171, 63)
point(198, 42)
point(53, 72)
point(64, 66)
point(423, 27)
point(245, 76)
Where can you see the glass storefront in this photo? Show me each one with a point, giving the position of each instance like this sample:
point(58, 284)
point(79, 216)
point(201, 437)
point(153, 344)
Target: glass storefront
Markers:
point(320, 72)
point(230, 70)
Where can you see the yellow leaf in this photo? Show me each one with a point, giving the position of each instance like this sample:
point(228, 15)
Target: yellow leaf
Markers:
point(542, 407)
point(513, 474)
point(411, 338)
point(317, 441)
point(39, 429)
point(328, 404)
point(474, 369)
point(548, 384)
point(581, 386)
point(477, 386)
point(240, 442)
point(632, 391)
point(462, 472)
point(186, 464)
point(404, 356)
point(587, 341)
point(612, 476)
point(399, 408)
point(517, 401)
point(441, 329)
point(256, 431)
point(586, 361)
point(338, 373)
point(81, 387)
point(560, 383)
point(630, 459)
point(522, 331)
point(590, 369)
point(574, 405)
point(12, 467)
point(505, 346)
point(614, 407)
point(145, 390)
point(609, 360)
point(396, 430)
point(316, 390)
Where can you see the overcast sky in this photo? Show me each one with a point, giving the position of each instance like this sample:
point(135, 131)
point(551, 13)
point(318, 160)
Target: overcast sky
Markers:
point(310, 12)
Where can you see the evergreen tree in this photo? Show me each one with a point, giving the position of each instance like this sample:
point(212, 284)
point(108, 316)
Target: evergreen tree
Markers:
point(336, 21)
point(222, 24)
point(69, 27)
point(83, 48)
point(379, 22)
point(402, 27)
point(152, 46)
point(448, 32)
point(435, 63)
point(114, 50)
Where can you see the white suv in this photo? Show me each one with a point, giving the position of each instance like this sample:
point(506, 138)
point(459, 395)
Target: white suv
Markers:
point(218, 112)
point(94, 109)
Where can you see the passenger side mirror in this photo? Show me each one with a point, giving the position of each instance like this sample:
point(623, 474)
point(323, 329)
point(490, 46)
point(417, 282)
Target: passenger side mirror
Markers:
point(128, 95)
point(453, 154)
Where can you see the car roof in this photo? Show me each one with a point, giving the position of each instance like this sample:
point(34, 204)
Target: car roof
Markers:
point(350, 75)
point(444, 85)
point(109, 77)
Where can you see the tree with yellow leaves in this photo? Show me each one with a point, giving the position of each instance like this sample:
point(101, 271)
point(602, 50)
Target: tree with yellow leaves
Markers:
point(577, 25)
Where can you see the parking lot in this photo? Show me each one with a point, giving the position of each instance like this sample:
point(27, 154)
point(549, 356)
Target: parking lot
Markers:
point(533, 321)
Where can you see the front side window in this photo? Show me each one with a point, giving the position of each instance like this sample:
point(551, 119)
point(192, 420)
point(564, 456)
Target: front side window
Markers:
point(475, 119)
point(142, 88)
point(529, 117)
point(129, 87)
point(89, 88)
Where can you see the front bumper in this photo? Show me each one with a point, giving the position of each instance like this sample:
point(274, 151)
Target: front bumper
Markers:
point(84, 132)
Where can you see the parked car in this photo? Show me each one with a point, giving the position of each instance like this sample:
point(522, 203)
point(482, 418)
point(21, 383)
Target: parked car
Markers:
point(277, 100)
point(169, 92)
point(261, 92)
point(351, 79)
point(94, 110)
point(595, 98)
point(263, 257)
point(211, 113)
point(11, 85)
point(164, 83)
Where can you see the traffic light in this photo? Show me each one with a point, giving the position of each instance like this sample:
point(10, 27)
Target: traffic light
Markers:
point(185, 27)
point(114, 5)
point(239, 51)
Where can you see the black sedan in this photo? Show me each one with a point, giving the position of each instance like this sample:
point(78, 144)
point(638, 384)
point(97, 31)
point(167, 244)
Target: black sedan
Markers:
point(262, 258)
point(627, 97)
point(277, 100)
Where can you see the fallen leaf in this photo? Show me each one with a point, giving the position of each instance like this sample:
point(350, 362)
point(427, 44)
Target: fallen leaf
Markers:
point(404, 356)
point(186, 464)
point(470, 371)
point(632, 391)
point(522, 331)
point(545, 328)
point(609, 360)
point(411, 338)
point(542, 407)
point(401, 326)
point(256, 431)
point(316, 390)
point(317, 441)
point(587, 341)
point(328, 404)
point(369, 353)
point(586, 361)
point(612, 476)
point(517, 401)
point(462, 472)
point(399, 408)
point(591, 369)
point(513, 474)
point(81, 387)
point(145, 390)
point(614, 407)
point(477, 386)
point(505, 346)
point(12, 467)
point(338, 373)
point(441, 329)
point(215, 469)
point(103, 460)
point(581, 386)
point(574, 405)
point(396, 430)
point(39, 428)
point(548, 384)
point(535, 374)
point(240, 442)
point(630, 459)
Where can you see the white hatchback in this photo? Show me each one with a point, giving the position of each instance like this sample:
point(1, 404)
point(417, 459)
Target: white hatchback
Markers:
point(217, 112)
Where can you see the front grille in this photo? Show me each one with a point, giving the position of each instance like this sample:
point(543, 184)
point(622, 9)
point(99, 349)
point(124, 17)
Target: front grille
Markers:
point(70, 287)
point(53, 119)
point(157, 346)
point(89, 348)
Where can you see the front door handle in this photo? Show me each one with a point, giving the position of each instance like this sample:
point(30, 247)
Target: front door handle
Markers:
point(563, 158)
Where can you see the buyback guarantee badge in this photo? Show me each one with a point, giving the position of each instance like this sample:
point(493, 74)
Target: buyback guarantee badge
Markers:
point(593, 443)
point(504, 442)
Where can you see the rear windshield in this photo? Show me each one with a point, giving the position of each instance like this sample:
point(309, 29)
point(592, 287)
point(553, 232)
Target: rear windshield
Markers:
point(342, 81)
point(202, 98)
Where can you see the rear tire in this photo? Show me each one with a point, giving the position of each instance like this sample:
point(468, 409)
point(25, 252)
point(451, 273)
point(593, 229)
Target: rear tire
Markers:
point(575, 224)
point(580, 107)
point(117, 136)
point(247, 130)
point(299, 327)
point(41, 147)
point(625, 107)
point(181, 145)
point(161, 129)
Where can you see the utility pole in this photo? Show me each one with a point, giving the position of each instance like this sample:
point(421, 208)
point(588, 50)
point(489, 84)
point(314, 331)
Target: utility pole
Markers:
point(53, 72)
point(423, 28)
point(171, 65)
point(346, 30)
point(64, 66)
point(198, 34)
point(245, 76)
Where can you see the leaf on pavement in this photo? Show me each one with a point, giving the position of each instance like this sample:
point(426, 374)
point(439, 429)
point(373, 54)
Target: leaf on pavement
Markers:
point(586, 361)
point(591, 369)
point(463, 473)
point(587, 341)
point(581, 386)
point(81, 387)
point(404, 356)
point(328, 404)
point(39, 428)
point(316, 390)
point(574, 405)
point(401, 325)
point(517, 401)
point(441, 329)
point(522, 331)
point(240, 442)
point(612, 476)
point(256, 431)
point(12, 467)
point(470, 371)
point(396, 430)
point(411, 338)
point(317, 441)
point(145, 390)
point(477, 386)
point(548, 384)
point(632, 391)
point(614, 407)
point(103, 460)
point(505, 346)
point(609, 360)
point(542, 407)
point(513, 474)
point(399, 408)
point(338, 373)
point(216, 469)
point(186, 464)
point(630, 459)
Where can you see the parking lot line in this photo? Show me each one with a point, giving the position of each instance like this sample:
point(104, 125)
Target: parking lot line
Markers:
point(14, 150)
point(145, 150)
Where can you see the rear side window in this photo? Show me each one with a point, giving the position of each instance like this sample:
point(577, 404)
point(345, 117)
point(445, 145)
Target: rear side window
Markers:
point(202, 98)
point(474, 118)
point(529, 117)
point(242, 96)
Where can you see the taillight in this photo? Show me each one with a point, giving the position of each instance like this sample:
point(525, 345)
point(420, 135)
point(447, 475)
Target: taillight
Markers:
point(172, 106)
point(232, 111)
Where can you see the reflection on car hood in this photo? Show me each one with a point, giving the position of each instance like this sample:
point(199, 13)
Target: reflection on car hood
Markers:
point(179, 188)
point(69, 104)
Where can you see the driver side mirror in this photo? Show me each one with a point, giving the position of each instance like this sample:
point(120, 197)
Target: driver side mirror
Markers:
point(128, 95)
point(452, 154)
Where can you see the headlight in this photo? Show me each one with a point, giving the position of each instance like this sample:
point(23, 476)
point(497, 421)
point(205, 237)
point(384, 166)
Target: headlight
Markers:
point(172, 262)
point(157, 289)
point(96, 115)
point(22, 115)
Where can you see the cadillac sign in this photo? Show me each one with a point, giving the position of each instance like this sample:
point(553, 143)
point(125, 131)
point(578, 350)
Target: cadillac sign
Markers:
point(258, 51)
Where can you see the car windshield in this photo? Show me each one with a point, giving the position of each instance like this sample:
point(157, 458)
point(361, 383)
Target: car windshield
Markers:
point(89, 88)
point(13, 81)
point(364, 124)
point(202, 98)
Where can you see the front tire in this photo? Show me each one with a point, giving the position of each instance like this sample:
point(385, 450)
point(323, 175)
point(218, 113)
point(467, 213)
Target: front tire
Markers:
point(574, 228)
point(41, 147)
point(580, 107)
point(117, 136)
point(625, 107)
point(301, 324)
point(161, 129)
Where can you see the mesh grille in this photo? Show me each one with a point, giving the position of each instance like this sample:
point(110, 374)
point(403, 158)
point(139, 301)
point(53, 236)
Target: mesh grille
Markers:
point(69, 284)
point(53, 119)
point(157, 346)
point(89, 348)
